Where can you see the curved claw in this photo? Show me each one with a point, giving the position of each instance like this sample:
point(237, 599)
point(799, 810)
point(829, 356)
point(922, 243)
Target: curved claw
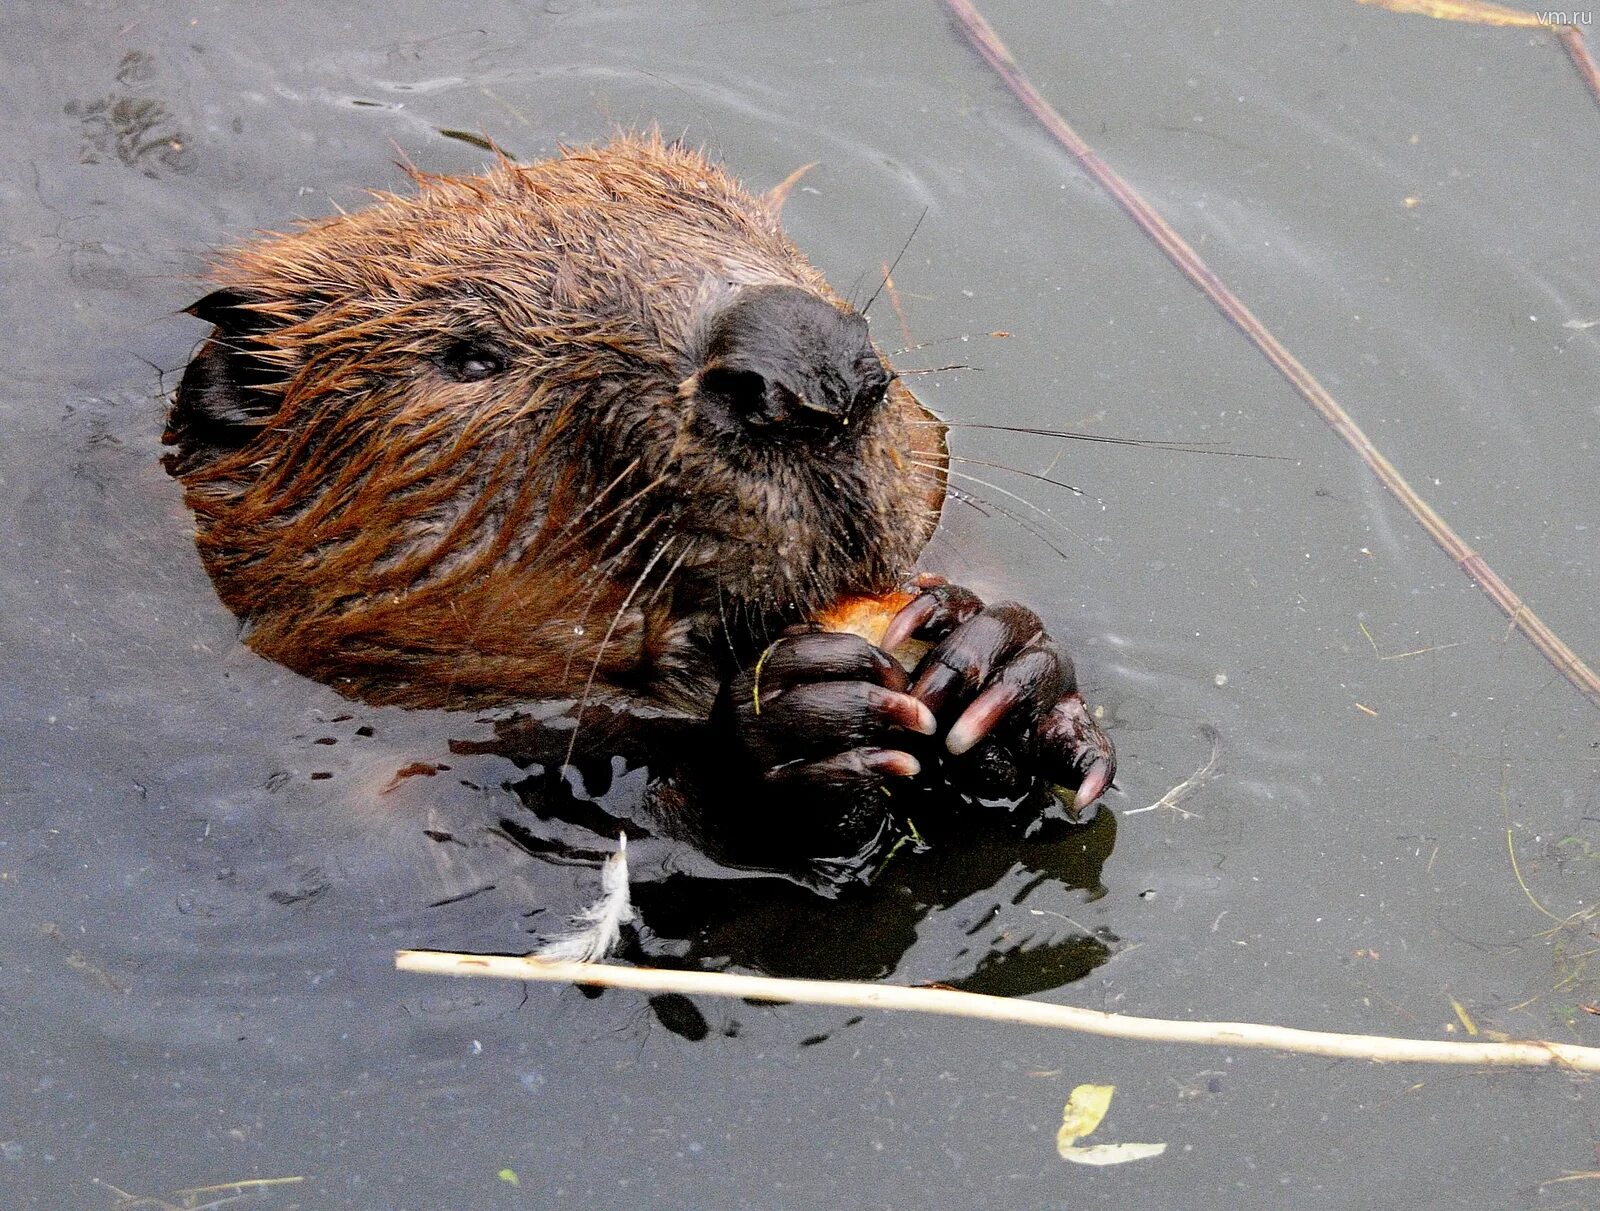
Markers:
point(971, 653)
point(854, 768)
point(1095, 780)
point(825, 708)
point(938, 609)
point(1033, 678)
point(1074, 749)
point(823, 656)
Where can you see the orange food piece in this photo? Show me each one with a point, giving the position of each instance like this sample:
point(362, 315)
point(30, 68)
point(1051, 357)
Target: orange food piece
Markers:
point(868, 617)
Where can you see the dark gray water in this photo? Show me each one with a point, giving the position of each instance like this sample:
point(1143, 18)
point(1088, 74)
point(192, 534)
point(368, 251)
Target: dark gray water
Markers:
point(202, 879)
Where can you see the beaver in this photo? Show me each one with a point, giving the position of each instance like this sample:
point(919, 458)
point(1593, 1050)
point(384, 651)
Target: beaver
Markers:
point(593, 426)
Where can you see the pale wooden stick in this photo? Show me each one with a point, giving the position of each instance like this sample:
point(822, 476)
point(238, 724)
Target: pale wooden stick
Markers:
point(955, 1003)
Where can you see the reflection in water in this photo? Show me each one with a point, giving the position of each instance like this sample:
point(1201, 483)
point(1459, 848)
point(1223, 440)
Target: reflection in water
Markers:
point(973, 893)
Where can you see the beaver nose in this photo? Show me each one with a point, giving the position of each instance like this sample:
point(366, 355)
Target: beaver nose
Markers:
point(782, 357)
point(760, 401)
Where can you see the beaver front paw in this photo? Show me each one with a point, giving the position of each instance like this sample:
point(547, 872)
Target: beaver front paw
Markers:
point(995, 665)
point(826, 711)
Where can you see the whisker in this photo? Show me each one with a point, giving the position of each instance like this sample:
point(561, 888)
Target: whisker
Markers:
point(982, 506)
point(573, 539)
point(600, 571)
point(616, 618)
point(941, 340)
point(600, 495)
point(1017, 518)
point(895, 264)
point(977, 506)
point(1103, 439)
point(727, 628)
point(1044, 479)
point(1022, 500)
point(660, 588)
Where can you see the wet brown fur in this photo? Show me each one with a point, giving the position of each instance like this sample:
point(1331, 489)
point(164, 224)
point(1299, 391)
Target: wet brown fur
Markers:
point(412, 538)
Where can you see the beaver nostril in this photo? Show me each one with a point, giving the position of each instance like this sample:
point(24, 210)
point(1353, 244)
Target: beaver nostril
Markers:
point(759, 402)
point(742, 392)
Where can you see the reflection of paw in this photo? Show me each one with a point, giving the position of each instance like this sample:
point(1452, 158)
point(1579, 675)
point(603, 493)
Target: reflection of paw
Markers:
point(825, 711)
point(995, 665)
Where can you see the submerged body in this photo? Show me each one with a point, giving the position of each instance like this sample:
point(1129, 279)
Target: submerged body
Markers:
point(592, 427)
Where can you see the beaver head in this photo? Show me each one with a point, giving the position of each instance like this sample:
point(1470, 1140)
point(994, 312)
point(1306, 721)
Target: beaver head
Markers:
point(593, 417)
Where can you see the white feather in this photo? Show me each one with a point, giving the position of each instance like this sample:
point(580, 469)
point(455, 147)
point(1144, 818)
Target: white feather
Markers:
point(597, 929)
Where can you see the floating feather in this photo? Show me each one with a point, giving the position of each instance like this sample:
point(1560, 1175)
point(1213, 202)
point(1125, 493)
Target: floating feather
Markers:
point(597, 929)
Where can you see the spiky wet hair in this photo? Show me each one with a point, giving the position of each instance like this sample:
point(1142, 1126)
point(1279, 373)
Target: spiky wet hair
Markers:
point(555, 422)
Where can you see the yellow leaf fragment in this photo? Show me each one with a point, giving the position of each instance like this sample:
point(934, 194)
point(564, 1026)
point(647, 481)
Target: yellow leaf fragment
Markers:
point(1086, 1106)
point(1110, 1154)
point(1463, 1016)
point(509, 1177)
point(1479, 12)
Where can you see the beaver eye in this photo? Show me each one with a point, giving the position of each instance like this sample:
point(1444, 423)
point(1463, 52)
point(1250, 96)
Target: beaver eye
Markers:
point(472, 361)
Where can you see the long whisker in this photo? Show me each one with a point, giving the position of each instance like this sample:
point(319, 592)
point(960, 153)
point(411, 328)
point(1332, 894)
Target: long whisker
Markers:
point(661, 588)
point(1044, 479)
point(980, 505)
point(941, 340)
point(611, 630)
point(573, 539)
point(960, 497)
point(895, 264)
point(1148, 442)
point(599, 496)
point(727, 628)
point(1017, 518)
point(1021, 500)
point(601, 579)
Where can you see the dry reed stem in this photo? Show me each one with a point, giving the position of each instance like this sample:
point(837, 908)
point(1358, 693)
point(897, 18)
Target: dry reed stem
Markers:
point(1578, 51)
point(952, 1002)
point(994, 53)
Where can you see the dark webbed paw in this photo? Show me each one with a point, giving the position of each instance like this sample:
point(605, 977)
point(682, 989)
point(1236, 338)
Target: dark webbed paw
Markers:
point(826, 710)
point(994, 669)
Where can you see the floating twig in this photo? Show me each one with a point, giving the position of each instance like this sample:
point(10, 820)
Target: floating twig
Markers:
point(1578, 51)
point(1423, 651)
point(994, 53)
point(227, 1192)
point(1192, 783)
point(955, 1003)
point(1481, 12)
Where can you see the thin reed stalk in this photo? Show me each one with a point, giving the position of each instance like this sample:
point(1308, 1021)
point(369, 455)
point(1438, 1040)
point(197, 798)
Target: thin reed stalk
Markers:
point(997, 56)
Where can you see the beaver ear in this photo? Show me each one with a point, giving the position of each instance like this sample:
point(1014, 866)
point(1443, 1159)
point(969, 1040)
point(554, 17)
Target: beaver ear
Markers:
point(229, 308)
point(224, 396)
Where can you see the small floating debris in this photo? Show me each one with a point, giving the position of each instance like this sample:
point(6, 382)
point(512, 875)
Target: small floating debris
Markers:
point(597, 929)
point(1086, 1106)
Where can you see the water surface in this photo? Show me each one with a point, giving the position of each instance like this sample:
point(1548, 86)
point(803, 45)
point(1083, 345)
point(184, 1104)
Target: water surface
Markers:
point(203, 878)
